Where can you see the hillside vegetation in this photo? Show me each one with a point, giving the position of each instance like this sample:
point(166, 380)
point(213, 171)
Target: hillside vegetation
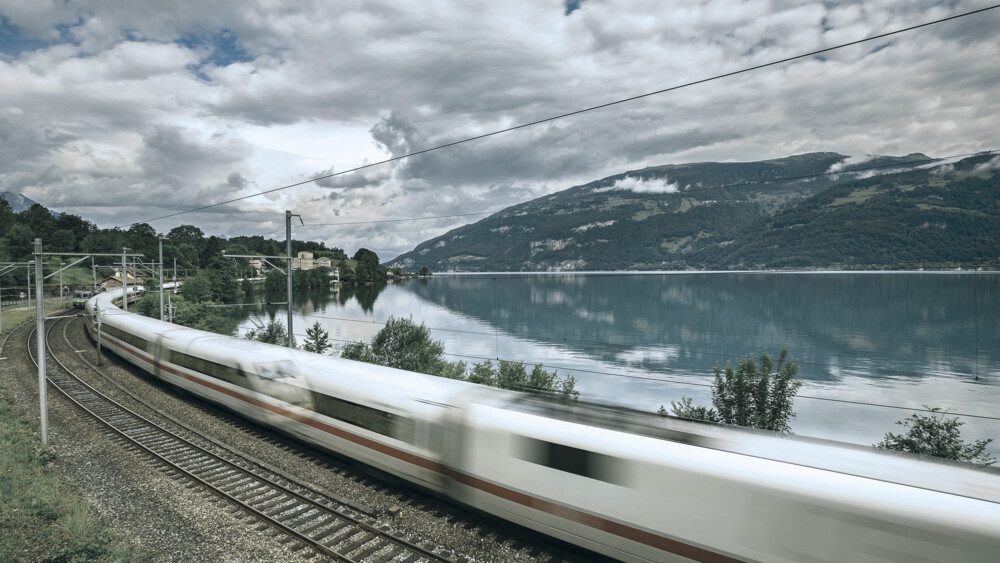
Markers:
point(784, 213)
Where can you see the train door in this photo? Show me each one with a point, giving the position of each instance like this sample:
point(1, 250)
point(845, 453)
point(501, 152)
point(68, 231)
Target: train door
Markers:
point(161, 355)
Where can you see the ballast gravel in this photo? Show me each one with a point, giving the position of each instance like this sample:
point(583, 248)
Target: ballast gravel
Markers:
point(170, 517)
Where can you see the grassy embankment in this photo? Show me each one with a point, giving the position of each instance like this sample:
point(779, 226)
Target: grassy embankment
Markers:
point(41, 517)
point(14, 315)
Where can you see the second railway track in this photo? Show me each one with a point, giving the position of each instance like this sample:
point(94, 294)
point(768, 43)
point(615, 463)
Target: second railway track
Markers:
point(321, 526)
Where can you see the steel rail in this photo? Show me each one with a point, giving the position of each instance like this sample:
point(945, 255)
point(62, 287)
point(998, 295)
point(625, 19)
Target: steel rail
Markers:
point(296, 509)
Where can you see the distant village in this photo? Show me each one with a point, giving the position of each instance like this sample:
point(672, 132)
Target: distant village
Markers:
point(258, 266)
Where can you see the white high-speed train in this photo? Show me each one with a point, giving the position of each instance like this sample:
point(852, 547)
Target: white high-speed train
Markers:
point(630, 485)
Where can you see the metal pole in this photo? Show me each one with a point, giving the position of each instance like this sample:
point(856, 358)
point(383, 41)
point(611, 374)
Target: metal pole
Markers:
point(61, 301)
point(40, 338)
point(161, 277)
point(29, 288)
point(97, 314)
point(124, 281)
point(93, 270)
point(175, 275)
point(288, 263)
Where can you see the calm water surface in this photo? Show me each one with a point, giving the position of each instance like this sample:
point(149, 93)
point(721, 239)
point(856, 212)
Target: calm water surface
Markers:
point(893, 339)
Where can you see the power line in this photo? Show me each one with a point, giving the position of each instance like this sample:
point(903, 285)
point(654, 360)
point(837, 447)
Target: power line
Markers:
point(581, 111)
point(485, 335)
point(852, 171)
point(401, 220)
point(697, 384)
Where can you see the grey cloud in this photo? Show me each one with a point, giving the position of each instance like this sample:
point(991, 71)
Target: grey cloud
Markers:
point(97, 115)
point(236, 180)
point(361, 179)
point(396, 134)
point(169, 155)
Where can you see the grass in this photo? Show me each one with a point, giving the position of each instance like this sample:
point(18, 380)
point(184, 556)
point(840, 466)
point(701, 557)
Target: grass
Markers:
point(41, 516)
point(14, 315)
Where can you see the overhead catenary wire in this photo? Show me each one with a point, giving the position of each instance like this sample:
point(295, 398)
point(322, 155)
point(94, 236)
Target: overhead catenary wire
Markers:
point(582, 111)
point(848, 172)
point(698, 384)
point(492, 336)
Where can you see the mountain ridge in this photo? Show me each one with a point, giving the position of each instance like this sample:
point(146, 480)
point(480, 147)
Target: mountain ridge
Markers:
point(662, 217)
point(18, 202)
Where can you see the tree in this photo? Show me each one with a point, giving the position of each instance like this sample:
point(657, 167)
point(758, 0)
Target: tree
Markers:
point(193, 315)
point(363, 272)
point(273, 333)
point(62, 240)
point(6, 215)
point(141, 238)
point(221, 274)
point(39, 219)
point(404, 345)
point(424, 271)
point(149, 305)
point(937, 436)
point(210, 248)
point(20, 243)
point(246, 286)
point(189, 234)
point(750, 395)
point(197, 289)
point(401, 344)
point(347, 275)
point(276, 282)
point(365, 255)
point(317, 339)
point(368, 268)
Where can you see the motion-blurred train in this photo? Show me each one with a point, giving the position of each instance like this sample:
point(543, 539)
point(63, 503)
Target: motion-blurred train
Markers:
point(630, 485)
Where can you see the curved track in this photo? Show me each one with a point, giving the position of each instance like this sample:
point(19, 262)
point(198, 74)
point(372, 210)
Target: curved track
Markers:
point(313, 521)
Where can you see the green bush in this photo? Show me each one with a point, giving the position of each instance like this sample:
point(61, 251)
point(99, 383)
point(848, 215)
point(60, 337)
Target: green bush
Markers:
point(938, 436)
point(757, 396)
point(405, 345)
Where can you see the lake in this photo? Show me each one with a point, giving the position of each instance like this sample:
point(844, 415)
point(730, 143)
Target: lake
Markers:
point(870, 345)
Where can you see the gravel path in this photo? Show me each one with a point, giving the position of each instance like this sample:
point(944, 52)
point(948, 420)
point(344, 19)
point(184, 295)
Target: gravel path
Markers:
point(169, 516)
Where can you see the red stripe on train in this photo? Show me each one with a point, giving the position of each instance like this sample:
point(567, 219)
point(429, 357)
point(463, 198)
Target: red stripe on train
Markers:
point(596, 522)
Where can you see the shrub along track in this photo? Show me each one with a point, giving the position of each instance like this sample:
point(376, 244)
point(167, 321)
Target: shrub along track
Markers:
point(415, 515)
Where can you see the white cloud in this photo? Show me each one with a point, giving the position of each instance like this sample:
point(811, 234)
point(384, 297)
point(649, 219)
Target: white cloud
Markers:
point(991, 164)
point(588, 226)
point(642, 186)
point(121, 112)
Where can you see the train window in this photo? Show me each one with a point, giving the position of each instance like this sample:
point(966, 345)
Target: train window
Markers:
point(382, 422)
point(571, 460)
point(126, 337)
point(275, 370)
point(210, 368)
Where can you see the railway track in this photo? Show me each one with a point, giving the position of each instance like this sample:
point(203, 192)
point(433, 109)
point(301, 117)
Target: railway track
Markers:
point(323, 527)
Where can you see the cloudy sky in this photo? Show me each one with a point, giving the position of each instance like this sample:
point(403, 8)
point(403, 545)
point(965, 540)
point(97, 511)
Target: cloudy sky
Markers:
point(123, 112)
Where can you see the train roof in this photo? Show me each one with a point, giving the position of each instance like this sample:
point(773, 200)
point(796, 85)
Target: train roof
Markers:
point(924, 472)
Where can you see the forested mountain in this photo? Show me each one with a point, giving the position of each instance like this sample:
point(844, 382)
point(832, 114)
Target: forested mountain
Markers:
point(18, 202)
point(784, 213)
